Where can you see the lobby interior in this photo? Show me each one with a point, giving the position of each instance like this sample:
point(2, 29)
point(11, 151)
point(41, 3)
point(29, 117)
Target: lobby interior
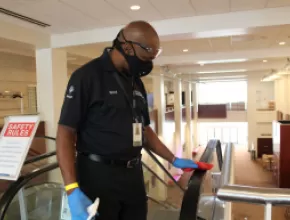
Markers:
point(224, 73)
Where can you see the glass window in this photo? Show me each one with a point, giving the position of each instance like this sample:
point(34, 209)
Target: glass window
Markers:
point(226, 135)
point(218, 133)
point(222, 92)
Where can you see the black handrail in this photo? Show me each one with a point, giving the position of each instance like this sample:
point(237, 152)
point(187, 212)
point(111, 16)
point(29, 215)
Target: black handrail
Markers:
point(13, 189)
point(40, 157)
point(189, 208)
point(155, 174)
point(46, 137)
point(163, 168)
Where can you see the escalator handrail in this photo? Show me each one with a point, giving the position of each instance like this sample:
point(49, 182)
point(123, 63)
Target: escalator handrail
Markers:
point(42, 156)
point(154, 158)
point(14, 188)
point(189, 208)
point(39, 157)
point(155, 174)
point(164, 169)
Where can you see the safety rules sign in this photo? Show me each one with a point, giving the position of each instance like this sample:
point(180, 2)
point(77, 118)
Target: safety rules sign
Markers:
point(15, 141)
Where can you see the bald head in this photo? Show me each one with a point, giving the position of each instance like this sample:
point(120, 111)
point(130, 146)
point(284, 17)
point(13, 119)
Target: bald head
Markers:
point(143, 33)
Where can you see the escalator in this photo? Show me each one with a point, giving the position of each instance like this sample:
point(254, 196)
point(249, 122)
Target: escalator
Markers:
point(33, 197)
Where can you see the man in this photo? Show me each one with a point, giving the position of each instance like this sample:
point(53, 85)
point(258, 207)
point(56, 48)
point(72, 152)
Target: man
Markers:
point(105, 111)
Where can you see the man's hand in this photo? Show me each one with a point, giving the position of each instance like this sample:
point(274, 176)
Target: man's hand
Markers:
point(78, 203)
point(184, 163)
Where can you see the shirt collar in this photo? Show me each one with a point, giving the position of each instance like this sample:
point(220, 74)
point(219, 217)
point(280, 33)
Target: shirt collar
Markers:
point(107, 61)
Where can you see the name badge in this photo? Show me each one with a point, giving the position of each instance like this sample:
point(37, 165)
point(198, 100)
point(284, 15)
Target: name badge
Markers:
point(137, 134)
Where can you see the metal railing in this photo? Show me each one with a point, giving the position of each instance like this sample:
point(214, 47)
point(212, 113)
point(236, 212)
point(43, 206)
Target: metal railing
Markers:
point(229, 192)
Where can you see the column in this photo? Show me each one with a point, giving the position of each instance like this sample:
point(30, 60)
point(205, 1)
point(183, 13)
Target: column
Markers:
point(159, 102)
point(195, 113)
point(177, 117)
point(288, 95)
point(51, 74)
point(188, 151)
point(159, 190)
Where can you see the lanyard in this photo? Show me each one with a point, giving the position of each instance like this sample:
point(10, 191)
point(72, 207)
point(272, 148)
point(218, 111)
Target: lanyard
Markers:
point(117, 77)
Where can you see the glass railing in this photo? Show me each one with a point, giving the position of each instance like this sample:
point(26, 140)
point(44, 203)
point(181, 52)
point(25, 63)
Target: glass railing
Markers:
point(33, 196)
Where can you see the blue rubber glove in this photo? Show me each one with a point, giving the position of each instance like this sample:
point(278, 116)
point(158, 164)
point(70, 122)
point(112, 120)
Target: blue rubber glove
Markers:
point(184, 163)
point(78, 203)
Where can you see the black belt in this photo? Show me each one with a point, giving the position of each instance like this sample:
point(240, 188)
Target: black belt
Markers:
point(118, 162)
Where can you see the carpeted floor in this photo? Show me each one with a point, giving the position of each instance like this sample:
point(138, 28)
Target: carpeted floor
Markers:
point(247, 172)
point(251, 173)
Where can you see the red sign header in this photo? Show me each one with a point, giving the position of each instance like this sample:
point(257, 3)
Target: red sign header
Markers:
point(19, 129)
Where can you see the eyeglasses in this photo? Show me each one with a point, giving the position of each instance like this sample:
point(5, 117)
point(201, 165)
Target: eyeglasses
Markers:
point(144, 47)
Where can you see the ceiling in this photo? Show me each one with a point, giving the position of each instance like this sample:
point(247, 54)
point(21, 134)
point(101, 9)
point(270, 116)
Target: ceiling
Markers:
point(256, 38)
point(75, 15)
point(259, 47)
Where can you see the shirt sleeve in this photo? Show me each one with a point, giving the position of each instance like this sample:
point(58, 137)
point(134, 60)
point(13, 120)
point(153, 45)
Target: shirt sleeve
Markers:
point(75, 101)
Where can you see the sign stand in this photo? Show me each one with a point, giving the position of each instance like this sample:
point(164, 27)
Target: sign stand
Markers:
point(15, 141)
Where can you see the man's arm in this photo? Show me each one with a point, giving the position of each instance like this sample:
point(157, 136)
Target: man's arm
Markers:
point(154, 144)
point(65, 151)
point(73, 111)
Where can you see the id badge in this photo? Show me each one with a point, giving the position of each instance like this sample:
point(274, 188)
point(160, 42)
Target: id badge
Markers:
point(137, 134)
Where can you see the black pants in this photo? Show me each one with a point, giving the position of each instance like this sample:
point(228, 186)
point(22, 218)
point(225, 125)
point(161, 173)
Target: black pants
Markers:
point(121, 190)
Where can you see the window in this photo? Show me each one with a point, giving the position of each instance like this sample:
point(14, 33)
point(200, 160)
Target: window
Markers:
point(222, 92)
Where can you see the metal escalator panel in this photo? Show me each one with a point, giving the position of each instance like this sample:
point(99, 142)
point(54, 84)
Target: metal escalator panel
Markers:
point(161, 204)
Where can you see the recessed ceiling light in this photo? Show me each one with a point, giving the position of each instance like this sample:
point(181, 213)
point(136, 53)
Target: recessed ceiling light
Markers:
point(282, 43)
point(135, 7)
point(222, 61)
point(265, 61)
point(185, 50)
point(224, 71)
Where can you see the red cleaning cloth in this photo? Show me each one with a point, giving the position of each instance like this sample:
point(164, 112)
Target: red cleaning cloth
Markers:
point(201, 166)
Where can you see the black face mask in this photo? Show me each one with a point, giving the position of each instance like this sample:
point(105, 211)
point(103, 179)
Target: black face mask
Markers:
point(137, 67)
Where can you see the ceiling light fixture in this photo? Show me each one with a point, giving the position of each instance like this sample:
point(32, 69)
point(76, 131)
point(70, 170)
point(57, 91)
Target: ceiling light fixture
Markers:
point(270, 77)
point(185, 50)
point(282, 43)
point(135, 7)
point(222, 61)
point(265, 61)
point(224, 71)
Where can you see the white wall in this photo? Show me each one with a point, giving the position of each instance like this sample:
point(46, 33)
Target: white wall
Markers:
point(282, 96)
point(16, 73)
point(258, 93)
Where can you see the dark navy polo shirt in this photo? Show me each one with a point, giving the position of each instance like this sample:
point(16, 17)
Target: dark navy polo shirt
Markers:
point(96, 106)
